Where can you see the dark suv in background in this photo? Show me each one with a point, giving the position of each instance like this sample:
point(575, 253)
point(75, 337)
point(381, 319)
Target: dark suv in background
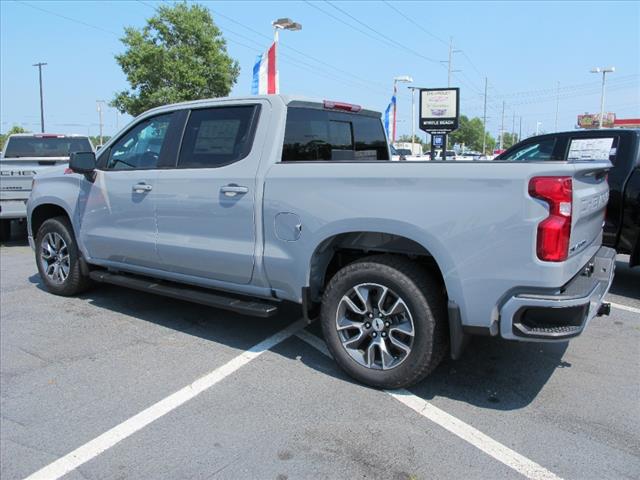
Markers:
point(622, 224)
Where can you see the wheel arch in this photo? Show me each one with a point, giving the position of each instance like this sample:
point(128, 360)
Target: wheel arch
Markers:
point(44, 212)
point(343, 248)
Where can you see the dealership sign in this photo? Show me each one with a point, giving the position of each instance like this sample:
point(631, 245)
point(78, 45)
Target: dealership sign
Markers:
point(439, 109)
point(592, 120)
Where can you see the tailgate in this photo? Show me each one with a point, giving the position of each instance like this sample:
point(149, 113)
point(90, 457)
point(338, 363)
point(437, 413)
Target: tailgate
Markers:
point(16, 175)
point(590, 197)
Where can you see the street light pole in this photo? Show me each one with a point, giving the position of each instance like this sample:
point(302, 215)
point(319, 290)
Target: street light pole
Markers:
point(281, 24)
point(484, 119)
point(99, 104)
point(404, 79)
point(604, 71)
point(413, 116)
point(40, 65)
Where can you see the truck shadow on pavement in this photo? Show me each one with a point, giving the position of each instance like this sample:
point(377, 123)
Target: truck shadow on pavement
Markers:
point(492, 373)
point(627, 280)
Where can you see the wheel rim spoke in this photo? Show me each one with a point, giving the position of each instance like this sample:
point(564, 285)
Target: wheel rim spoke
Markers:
point(375, 326)
point(352, 306)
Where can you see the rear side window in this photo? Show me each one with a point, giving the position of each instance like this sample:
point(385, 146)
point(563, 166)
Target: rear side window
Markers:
point(592, 149)
point(219, 136)
point(46, 146)
point(318, 135)
point(534, 152)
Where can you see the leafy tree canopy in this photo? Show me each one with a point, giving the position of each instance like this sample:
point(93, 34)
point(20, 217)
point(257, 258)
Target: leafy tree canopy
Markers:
point(470, 133)
point(178, 55)
point(12, 130)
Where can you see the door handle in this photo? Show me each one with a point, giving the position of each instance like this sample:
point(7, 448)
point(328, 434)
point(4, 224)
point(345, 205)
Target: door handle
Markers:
point(142, 187)
point(233, 190)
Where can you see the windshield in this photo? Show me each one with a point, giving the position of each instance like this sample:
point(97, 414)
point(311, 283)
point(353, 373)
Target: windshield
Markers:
point(46, 146)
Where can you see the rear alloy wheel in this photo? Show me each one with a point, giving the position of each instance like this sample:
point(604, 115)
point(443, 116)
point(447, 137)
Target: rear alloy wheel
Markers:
point(384, 321)
point(375, 326)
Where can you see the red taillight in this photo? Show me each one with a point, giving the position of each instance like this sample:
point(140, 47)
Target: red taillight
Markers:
point(348, 107)
point(554, 232)
point(68, 171)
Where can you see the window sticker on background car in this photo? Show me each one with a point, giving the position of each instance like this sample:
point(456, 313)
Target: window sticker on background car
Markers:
point(590, 149)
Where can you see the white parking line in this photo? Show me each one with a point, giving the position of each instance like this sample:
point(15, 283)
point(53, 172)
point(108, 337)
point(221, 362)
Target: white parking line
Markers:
point(625, 307)
point(466, 432)
point(95, 447)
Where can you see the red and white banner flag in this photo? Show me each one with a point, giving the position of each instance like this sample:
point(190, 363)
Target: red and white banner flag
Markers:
point(265, 74)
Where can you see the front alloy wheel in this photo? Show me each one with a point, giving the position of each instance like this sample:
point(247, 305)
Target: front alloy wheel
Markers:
point(54, 258)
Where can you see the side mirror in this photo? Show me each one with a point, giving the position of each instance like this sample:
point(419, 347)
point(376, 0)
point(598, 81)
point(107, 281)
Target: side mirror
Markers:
point(82, 162)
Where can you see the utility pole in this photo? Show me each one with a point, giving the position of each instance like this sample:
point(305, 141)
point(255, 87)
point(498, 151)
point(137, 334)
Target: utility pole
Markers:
point(520, 132)
point(502, 127)
point(513, 129)
point(449, 62)
point(557, 105)
point(484, 119)
point(40, 65)
point(604, 71)
point(99, 107)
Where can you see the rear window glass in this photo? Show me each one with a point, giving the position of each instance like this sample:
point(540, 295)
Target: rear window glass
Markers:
point(217, 136)
point(535, 151)
point(313, 134)
point(46, 146)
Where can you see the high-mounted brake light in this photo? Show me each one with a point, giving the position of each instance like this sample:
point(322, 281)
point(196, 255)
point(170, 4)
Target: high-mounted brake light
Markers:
point(554, 232)
point(48, 135)
point(347, 107)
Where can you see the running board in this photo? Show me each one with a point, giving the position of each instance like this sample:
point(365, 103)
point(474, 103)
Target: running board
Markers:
point(185, 292)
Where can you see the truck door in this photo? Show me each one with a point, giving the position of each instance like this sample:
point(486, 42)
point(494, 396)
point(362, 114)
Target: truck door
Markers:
point(205, 206)
point(117, 210)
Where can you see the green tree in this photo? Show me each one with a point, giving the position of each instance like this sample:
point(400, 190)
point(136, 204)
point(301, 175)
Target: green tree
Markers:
point(469, 132)
point(509, 139)
point(12, 130)
point(178, 55)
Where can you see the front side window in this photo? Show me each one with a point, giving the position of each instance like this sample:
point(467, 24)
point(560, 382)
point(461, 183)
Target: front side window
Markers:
point(314, 134)
point(533, 152)
point(218, 136)
point(140, 147)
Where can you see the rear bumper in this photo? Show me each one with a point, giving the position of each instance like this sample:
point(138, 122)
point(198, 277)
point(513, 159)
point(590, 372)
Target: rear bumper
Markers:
point(13, 209)
point(560, 314)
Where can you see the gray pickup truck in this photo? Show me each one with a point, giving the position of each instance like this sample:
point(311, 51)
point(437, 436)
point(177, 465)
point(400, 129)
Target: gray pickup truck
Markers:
point(25, 155)
point(244, 203)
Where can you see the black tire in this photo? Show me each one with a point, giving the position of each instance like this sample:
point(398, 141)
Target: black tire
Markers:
point(5, 230)
point(426, 301)
point(75, 282)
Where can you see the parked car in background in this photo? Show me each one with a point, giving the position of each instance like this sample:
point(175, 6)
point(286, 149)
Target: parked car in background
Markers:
point(622, 148)
point(25, 155)
point(244, 203)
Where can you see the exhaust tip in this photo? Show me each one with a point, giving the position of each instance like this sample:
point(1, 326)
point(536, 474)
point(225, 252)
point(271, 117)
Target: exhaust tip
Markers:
point(604, 309)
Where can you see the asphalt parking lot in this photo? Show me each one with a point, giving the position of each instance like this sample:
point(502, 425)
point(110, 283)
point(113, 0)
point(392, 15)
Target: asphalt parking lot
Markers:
point(76, 373)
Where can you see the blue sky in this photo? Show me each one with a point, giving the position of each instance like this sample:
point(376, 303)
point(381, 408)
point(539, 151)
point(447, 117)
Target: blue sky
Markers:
point(524, 48)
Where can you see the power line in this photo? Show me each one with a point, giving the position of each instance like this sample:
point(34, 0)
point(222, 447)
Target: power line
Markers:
point(411, 20)
point(95, 27)
point(383, 36)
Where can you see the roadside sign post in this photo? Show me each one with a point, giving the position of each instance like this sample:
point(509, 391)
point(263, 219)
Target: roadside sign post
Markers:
point(439, 115)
